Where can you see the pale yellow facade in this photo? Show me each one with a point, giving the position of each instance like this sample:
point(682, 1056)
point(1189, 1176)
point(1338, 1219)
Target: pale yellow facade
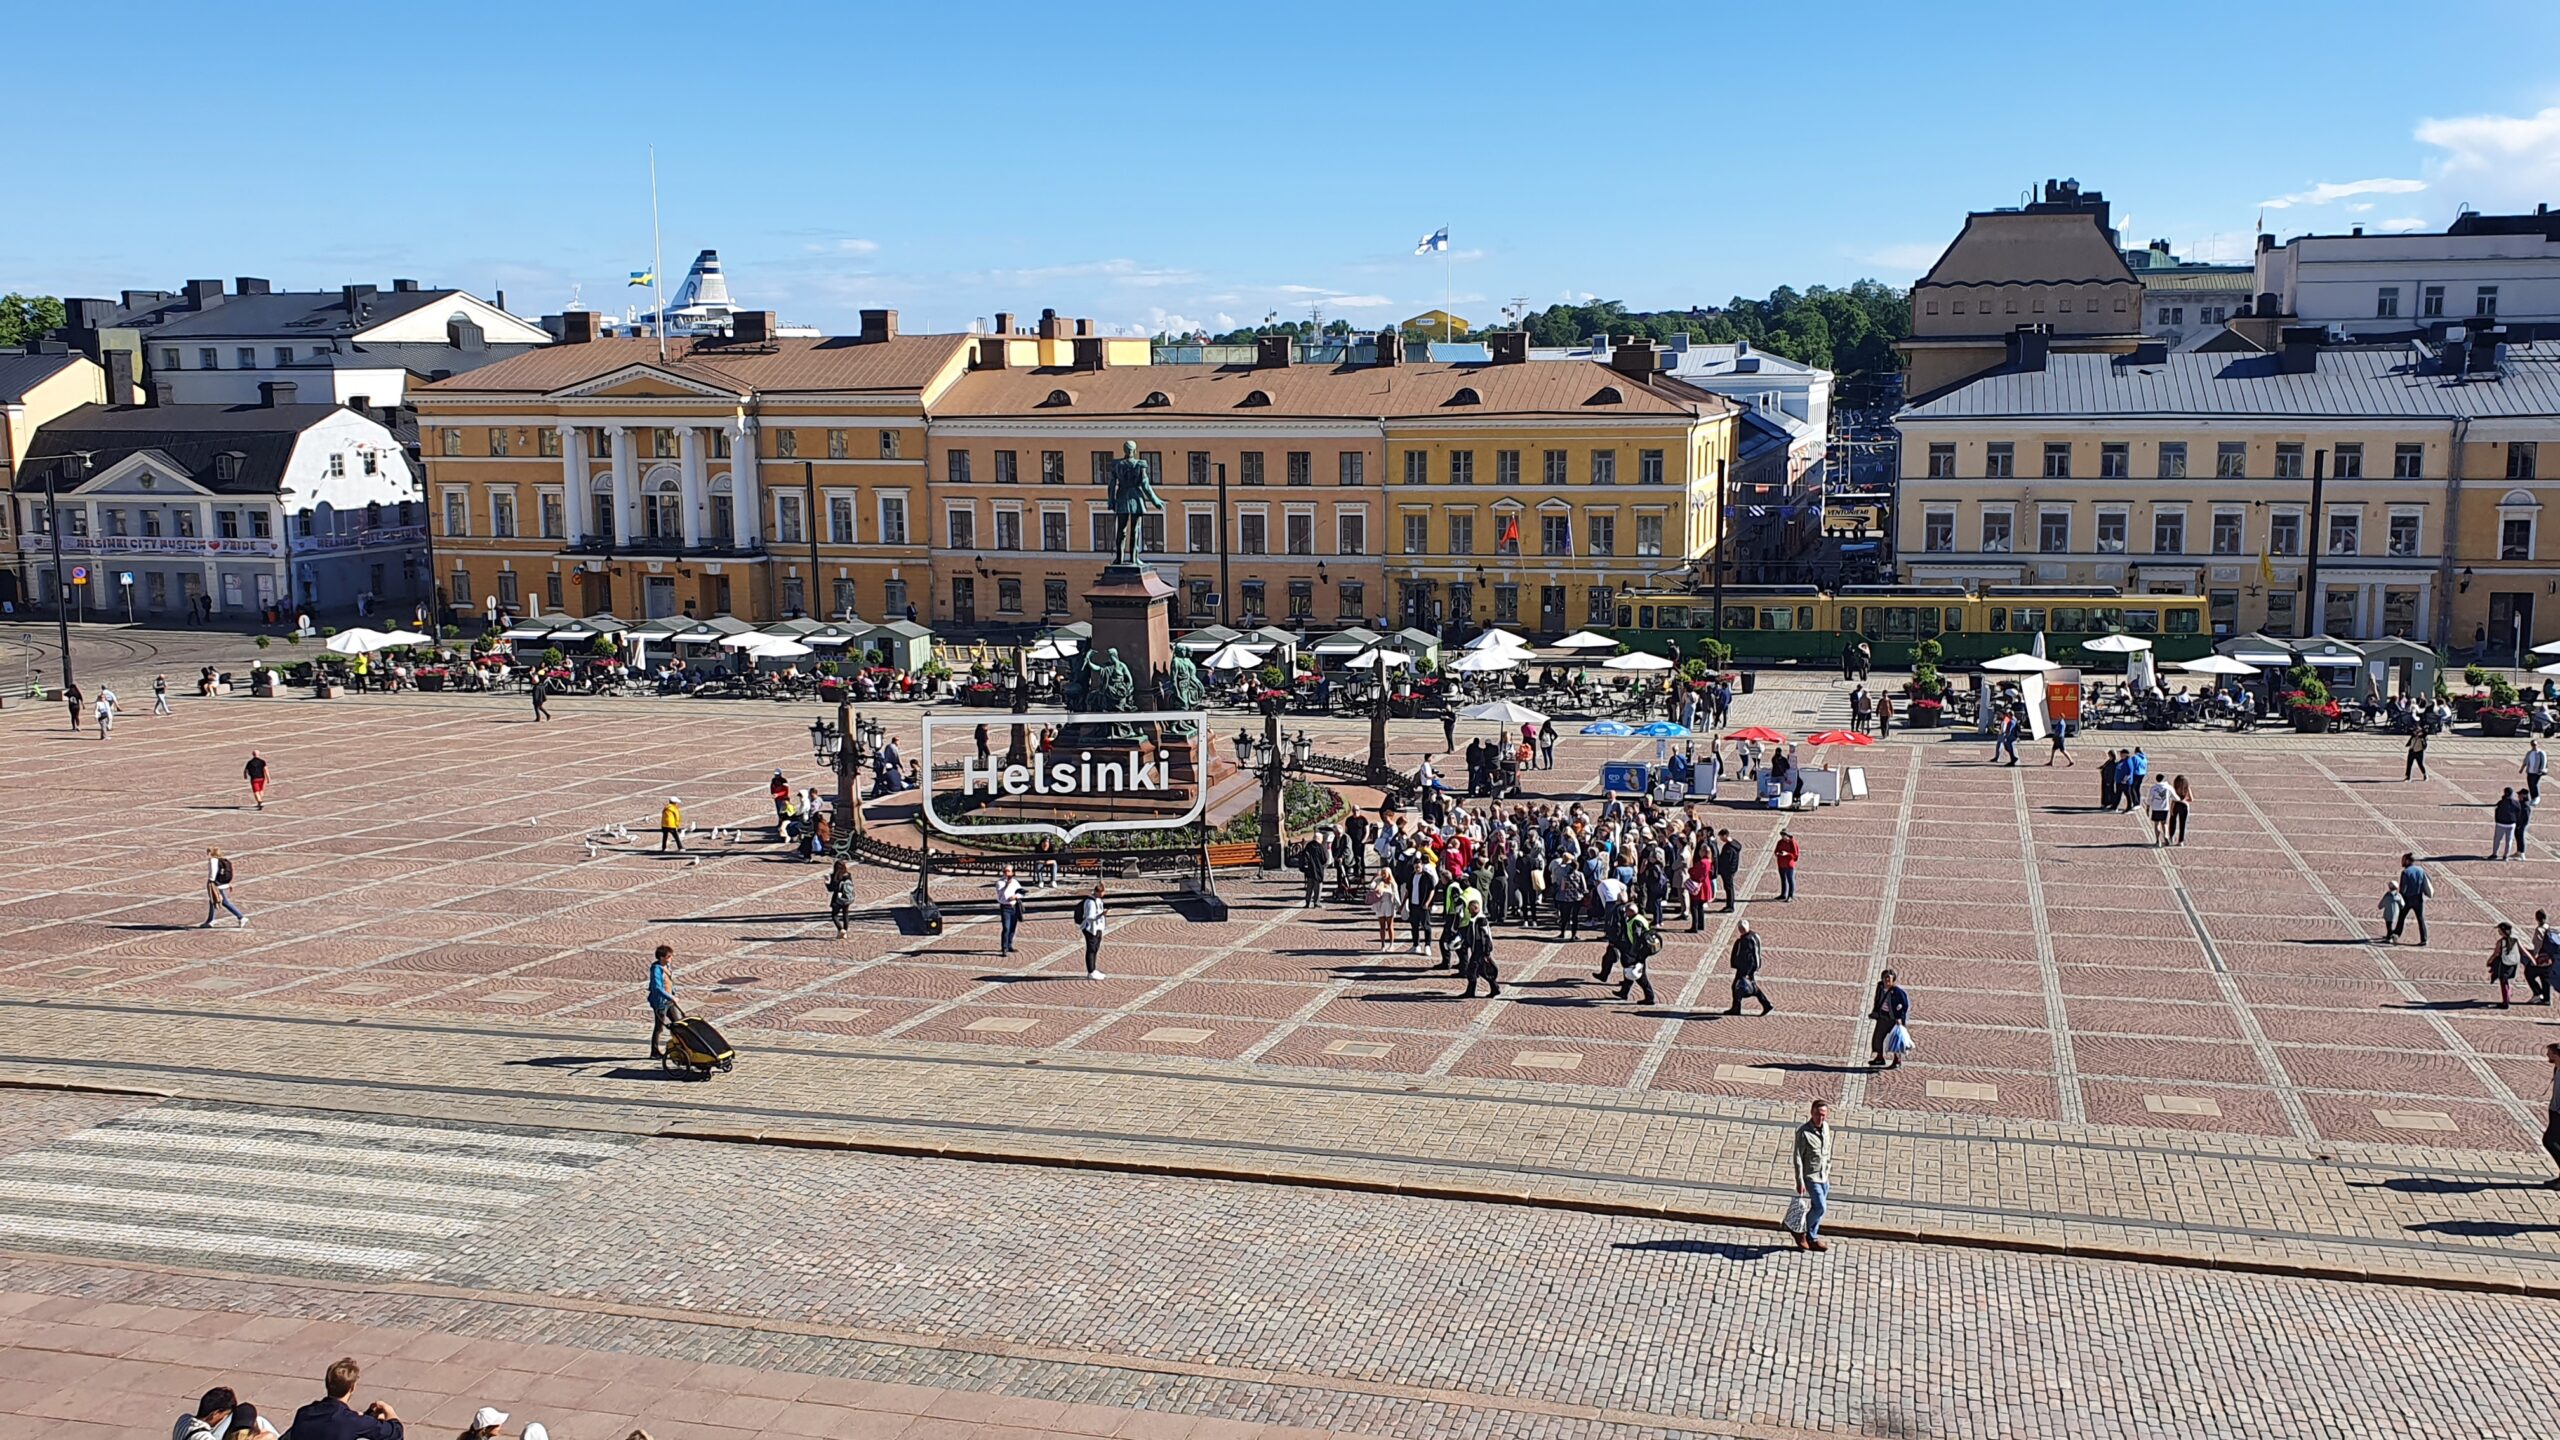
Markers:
point(78, 382)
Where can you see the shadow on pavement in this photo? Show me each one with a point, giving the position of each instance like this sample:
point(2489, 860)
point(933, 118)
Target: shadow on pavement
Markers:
point(1721, 1249)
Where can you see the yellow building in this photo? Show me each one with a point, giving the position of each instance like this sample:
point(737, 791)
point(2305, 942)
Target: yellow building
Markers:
point(2193, 474)
point(752, 476)
point(36, 386)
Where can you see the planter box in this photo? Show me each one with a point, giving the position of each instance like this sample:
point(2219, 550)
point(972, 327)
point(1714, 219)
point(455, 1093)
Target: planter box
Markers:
point(1916, 719)
point(2467, 707)
point(2310, 722)
point(324, 691)
point(430, 682)
point(2501, 727)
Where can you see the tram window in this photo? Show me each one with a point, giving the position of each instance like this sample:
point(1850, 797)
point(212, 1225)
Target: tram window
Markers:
point(1644, 617)
point(1626, 617)
point(1804, 617)
point(1900, 622)
point(2142, 622)
point(2026, 619)
point(2106, 617)
point(1873, 622)
point(1777, 617)
point(2070, 617)
point(1848, 619)
point(1999, 617)
point(1737, 617)
point(1671, 617)
point(2183, 622)
point(1954, 620)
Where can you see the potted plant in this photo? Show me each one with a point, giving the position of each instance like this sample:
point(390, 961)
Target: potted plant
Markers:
point(2467, 707)
point(2308, 702)
point(2502, 717)
point(1928, 689)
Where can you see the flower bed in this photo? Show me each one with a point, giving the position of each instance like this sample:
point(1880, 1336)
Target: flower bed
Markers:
point(2501, 721)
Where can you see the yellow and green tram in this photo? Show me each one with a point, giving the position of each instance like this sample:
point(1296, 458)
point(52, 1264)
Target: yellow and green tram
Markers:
point(1802, 623)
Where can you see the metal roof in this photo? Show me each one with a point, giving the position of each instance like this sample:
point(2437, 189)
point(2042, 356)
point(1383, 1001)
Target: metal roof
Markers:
point(2401, 381)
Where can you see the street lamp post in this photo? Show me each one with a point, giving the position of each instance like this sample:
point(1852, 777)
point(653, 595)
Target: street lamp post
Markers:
point(1275, 761)
point(61, 581)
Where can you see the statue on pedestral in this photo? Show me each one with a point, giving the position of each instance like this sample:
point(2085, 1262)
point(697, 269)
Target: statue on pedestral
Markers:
point(1187, 690)
point(1133, 498)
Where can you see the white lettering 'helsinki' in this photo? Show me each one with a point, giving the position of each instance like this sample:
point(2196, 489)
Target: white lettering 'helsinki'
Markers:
point(1081, 778)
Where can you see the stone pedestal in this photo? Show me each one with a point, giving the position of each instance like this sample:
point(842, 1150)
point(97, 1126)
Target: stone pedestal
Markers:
point(1129, 608)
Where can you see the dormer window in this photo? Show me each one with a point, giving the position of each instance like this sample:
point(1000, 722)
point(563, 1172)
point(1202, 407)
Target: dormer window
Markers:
point(1607, 395)
point(1254, 398)
point(1466, 396)
point(1058, 398)
point(226, 466)
point(1156, 399)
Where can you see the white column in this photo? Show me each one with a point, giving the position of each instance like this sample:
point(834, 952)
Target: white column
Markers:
point(626, 483)
point(689, 447)
point(573, 484)
point(744, 494)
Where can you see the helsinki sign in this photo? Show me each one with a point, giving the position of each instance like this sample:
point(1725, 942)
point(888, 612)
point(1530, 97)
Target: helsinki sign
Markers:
point(1111, 773)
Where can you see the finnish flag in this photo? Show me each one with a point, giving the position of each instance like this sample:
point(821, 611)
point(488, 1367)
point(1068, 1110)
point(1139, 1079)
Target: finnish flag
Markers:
point(1436, 240)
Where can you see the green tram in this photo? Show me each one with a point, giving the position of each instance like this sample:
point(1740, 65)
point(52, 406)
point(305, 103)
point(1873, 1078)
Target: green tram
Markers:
point(1769, 623)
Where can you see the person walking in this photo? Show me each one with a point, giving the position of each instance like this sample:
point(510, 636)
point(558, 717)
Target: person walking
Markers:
point(1448, 731)
point(2534, 763)
point(2417, 756)
point(1884, 716)
point(1637, 942)
point(2181, 800)
point(1476, 954)
point(2542, 949)
point(2506, 957)
point(540, 692)
point(106, 712)
point(1702, 882)
point(1728, 865)
point(779, 788)
point(1384, 907)
point(1787, 853)
point(2394, 909)
point(2061, 746)
point(1311, 870)
point(1008, 909)
point(2524, 820)
point(1547, 746)
point(1745, 962)
point(255, 772)
point(72, 696)
point(2414, 890)
point(2156, 798)
point(671, 825)
point(2107, 774)
point(662, 999)
point(2137, 769)
point(1891, 1011)
point(217, 888)
point(2502, 824)
point(1093, 918)
point(1813, 1174)
point(1572, 892)
point(160, 695)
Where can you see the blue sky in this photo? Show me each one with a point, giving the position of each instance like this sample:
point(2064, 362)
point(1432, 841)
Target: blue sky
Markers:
point(1180, 165)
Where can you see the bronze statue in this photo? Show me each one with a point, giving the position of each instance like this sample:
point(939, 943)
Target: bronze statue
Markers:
point(1187, 690)
point(1133, 496)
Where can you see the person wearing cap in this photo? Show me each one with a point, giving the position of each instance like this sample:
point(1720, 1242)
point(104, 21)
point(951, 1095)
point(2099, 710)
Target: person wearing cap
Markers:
point(246, 1421)
point(671, 825)
point(210, 1415)
point(487, 1423)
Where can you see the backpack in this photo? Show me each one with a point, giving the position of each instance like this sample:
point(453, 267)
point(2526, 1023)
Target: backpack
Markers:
point(222, 870)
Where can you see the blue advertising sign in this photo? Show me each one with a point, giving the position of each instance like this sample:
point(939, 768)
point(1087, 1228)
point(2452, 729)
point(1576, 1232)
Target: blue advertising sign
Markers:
point(1626, 777)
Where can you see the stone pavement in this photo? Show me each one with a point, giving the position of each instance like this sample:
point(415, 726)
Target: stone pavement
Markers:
point(723, 1292)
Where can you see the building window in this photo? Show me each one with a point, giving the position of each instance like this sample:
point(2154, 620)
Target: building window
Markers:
point(1462, 532)
point(722, 443)
point(786, 518)
point(2404, 535)
point(2386, 303)
point(502, 514)
point(2408, 462)
point(1506, 604)
point(2115, 461)
point(1351, 599)
point(662, 444)
point(2053, 532)
point(1249, 468)
point(2168, 532)
point(1009, 594)
point(843, 596)
point(1938, 531)
point(1199, 532)
point(2515, 539)
point(1604, 467)
point(449, 440)
point(2229, 531)
point(2231, 459)
point(546, 442)
point(1053, 530)
point(1555, 534)
point(2289, 461)
point(1053, 597)
point(258, 523)
point(337, 466)
point(599, 444)
point(2484, 303)
point(1008, 529)
point(2173, 459)
point(962, 526)
point(2350, 462)
point(549, 510)
point(1417, 468)
point(2430, 302)
point(507, 594)
point(1648, 467)
point(836, 448)
point(2057, 460)
point(956, 466)
point(2112, 525)
point(1198, 474)
point(1553, 467)
point(1648, 534)
point(1999, 460)
point(208, 358)
point(893, 598)
point(1996, 536)
point(1253, 533)
point(1506, 467)
point(893, 520)
point(888, 444)
point(2346, 533)
point(1942, 460)
point(1462, 467)
point(1604, 534)
point(1298, 532)
point(1302, 467)
point(1351, 468)
point(1006, 471)
point(2284, 533)
point(457, 514)
point(786, 443)
point(1351, 532)
point(1249, 594)
point(2521, 457)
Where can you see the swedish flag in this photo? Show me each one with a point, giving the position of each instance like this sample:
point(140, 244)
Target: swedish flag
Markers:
point(644, 277)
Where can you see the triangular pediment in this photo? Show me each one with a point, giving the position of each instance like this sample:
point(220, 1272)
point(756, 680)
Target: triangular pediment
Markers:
point(645, 382)
point(143, 472)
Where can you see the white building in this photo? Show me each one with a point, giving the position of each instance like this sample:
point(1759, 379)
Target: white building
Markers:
point(1796, 396)
point(2483, 267)
point(358, 343)
point(275, 504)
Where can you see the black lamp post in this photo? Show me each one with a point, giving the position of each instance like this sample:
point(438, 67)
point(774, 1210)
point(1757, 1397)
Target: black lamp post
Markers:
point(1274, 760)
point(61, 580)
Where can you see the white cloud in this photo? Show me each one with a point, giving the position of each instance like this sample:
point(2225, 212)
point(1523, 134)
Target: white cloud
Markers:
point(2360, 207)
point(1357, 302)
point(2329, 192)
point(2404, 222)
point(1123, 272)
point(1576, 297)
point(1911, 258)
point(2500, 160)
point(847, 245)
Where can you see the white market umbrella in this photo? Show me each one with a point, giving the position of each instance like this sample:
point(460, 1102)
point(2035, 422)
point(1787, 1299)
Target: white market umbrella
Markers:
point(1051, 651)
point(1235, 657)
point(408, 637)
point(1636, 661)
point(777, 648)
point(1480, 661)
point(2115, 645)
point(1496, 640)
point(2547, 647)
point(2225, 665)
point(2546, 669)
point(1584, 640)
point(2020, 665)
point(1506, 712)
point(751, 640)
point(360, 641)
point(1376, 658)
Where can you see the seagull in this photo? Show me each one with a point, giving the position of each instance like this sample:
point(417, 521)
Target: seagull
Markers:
point(591, 848)
point(694, 861)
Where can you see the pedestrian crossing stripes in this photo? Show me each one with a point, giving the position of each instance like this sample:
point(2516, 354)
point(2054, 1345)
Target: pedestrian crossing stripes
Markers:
point(308, 1195)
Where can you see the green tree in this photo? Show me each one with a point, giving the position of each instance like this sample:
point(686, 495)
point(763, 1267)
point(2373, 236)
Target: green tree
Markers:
point(25, 318)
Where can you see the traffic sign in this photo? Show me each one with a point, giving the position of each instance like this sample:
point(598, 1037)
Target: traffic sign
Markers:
point(79, 574)
point(124, 577)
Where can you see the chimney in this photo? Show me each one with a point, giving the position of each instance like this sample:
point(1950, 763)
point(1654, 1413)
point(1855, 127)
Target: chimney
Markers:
point(878, 326)
point(2150, 352)
point(2485, 346)
point(143, 299)
point(251, 285)
point(755, 327)
point(1271, 352)
point(578, 327)
point(1390, 346)
point(120, 377)
point(463, 333)
point(404, 287)
point(88, 314)
point(993, 352)
point(1741, 348)
point(1088, 352)
point(1510, 347)
point(272, 393)
point(203, 294)
point(1633, 356)
point(502, 300)
point(2030, 346)
point(2298, 350)
point(1004, 322)
point(357, 297)
point(2266, 241)
point(1051, 327)
point(1084, 327)
point(2356, 230)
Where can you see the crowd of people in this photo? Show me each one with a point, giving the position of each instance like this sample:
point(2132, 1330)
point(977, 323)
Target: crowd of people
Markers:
point(223, 1415)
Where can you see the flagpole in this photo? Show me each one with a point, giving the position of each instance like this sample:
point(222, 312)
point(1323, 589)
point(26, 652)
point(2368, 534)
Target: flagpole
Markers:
point(1445, 336)
point(657, 257)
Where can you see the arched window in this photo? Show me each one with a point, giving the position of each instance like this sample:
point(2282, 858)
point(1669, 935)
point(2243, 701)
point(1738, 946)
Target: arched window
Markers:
point(1466, 396)
point(1254, 398)
point(1156, 399)
point(1607, 395)
point(1058, 398)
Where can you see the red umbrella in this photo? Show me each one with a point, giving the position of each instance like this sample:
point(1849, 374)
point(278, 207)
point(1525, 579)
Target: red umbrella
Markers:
point(1841, 737)
point(1760, 733)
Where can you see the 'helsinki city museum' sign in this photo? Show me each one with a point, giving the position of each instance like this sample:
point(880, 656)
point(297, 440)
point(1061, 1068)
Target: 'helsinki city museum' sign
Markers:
point(1082, 785)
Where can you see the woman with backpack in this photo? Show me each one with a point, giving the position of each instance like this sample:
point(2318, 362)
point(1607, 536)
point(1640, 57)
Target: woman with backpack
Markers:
point(2506, 957)
point(217, 888)
point(2539, 955)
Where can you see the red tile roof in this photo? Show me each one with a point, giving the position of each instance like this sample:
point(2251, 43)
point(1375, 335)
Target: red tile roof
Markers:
point(1546, 387)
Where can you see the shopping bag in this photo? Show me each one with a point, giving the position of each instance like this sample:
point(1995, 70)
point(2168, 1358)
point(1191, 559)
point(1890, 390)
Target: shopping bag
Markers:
point(1798, 1211)
point(1897, 1041)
